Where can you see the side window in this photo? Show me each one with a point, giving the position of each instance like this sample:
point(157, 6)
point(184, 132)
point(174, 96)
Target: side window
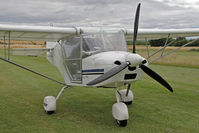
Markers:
point(72, 52)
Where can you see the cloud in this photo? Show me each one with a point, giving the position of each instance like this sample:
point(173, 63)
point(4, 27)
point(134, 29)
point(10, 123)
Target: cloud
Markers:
point(115, 13)
point(194, 4)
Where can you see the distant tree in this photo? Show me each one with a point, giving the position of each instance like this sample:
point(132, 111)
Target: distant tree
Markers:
point(137, 42)
point(196, 43)
point(180, 41)
point(159, 42)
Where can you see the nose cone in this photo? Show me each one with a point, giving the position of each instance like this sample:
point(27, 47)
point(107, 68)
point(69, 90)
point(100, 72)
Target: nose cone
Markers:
point(134, 59)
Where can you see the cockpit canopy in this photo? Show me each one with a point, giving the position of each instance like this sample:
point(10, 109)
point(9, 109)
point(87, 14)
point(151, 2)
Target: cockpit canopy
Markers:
point(104, 42)
point(89, 44)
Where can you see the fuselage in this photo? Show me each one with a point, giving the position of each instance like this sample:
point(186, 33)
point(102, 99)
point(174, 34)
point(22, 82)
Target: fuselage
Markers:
point(85, 58)
point(96, 65)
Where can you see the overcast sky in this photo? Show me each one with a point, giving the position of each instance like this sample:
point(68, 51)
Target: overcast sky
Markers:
point(116, 13)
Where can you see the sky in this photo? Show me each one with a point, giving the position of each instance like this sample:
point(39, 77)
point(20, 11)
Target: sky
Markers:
point(162, 14)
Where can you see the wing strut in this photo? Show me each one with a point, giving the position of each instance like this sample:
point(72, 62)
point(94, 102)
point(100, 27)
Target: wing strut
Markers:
point(9, 45)
point(4, 46)
point(162, 49)
point(11, 62)
point(168, 53)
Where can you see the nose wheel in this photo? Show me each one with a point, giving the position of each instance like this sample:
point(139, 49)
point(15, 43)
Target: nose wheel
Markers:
point(120, 113)
point(119, 109)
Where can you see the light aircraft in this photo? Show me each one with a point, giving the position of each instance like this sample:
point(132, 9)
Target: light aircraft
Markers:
point(95, 57)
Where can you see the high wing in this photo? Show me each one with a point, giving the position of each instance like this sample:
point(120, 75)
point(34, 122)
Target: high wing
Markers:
point(40, 33)
point(50, 33)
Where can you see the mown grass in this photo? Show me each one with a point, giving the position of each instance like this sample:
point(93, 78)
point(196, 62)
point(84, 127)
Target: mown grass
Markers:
point(84, 110)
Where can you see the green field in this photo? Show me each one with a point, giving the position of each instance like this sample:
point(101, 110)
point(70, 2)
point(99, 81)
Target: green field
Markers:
point(88, 110)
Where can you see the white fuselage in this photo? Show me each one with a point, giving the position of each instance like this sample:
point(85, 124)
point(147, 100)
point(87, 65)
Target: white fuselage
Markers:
point(95, 65)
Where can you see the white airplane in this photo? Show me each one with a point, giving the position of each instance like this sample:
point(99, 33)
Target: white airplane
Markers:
point(95, 57)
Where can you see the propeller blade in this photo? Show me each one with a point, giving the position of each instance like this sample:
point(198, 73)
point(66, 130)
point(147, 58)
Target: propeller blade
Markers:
point(155, 76)
point(109, 74)
point(136, 26)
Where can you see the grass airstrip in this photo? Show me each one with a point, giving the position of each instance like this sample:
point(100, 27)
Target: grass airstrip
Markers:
point(88, 110)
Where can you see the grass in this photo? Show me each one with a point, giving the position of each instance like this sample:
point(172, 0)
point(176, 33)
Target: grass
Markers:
point(194, 49)
point(88, 110)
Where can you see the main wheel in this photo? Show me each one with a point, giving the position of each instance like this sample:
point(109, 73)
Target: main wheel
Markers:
point(122, 123)
point(49, 104)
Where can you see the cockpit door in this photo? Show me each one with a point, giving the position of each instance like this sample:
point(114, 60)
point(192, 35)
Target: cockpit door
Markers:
point(73, 60)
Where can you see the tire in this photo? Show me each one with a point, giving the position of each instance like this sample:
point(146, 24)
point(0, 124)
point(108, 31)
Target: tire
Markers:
point(49, 112)
point(128, 103)
point(122, 123)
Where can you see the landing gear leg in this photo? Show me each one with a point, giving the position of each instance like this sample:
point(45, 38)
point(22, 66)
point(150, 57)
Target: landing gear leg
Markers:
point(120, 112)
point(50, 102)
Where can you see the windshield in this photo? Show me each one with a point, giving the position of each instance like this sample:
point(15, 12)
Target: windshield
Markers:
point(104, 42)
